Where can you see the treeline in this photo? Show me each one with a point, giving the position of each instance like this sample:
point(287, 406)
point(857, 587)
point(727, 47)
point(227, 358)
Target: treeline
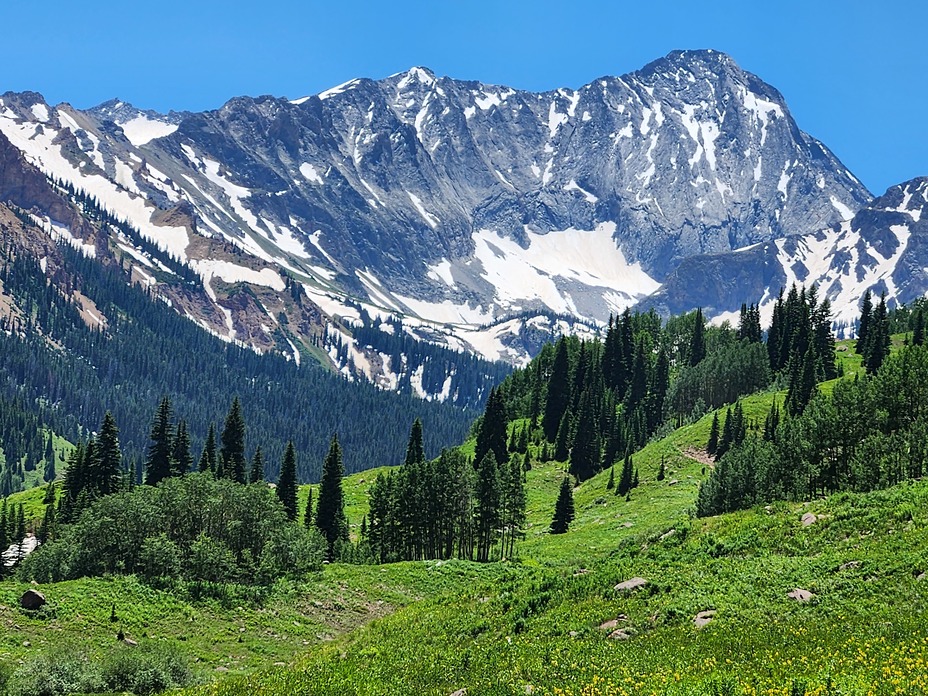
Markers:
point(65, 372)
point(868, 433)
point(448, 507)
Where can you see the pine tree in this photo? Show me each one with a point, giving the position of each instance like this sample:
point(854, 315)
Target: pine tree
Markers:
point(587, 446)
point(558, 391)
point(257, 467)
point(626, 479)
point(713, 445)
point(330, 510)
point(662, 470)
point(488, 494)
point(414, 449)
point(181, 459)
point(918, 333)
point(73, 485)
point(802, 387)
point(863, 327)
point(209, 457)
point(635, 479)
point(638, 388)
point(286, 484)
point(50, 474)
point(878, 339)
point(563, 508)
point(48, 527)
point(697, 349)
point(232, 451)
point(158, 462)
point(728, 436)
point(105, 473)
point(491, 435)
point(610, 484)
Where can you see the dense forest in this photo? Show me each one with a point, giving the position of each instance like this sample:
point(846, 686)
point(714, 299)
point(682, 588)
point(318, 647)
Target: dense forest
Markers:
point(61, 375)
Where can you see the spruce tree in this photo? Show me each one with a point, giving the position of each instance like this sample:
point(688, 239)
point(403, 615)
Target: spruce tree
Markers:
point(662, 470)
point(50, 473)
point(918, 333)
point(488, 494)
point(610, 484)
point(105, 476)
point(728, 436)
point(626, 479)
point(308, 515)
point(863, 327)
point(563, 508)
point(257, 467)
point(713, 445)
point(232, 451)
point(158, 461)
point(209, 457)
point(415, 452)
point(587, 444)
point(491, 435)
point(330, 509)
point(558, 391)
point(697, 349)
point(802, 387)
point(181, 459)
point(286, 484)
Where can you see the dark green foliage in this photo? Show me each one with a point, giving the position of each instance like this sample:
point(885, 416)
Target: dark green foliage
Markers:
point(662, 470)
point(918, 331)
point(209, 459)
point(563, 508)
point(863, 326)
point(147, 348)
point(308, 516)
point(181, 459)
point(802, 384)
point(713, 445)
point(205, 529)
point(867, 434)
point(491, 434)
point(586, 453)
point(728, 436)
point(487, 498)
point(232, 450)
point(158, 462)
point(414, 450)
point(627, 477)
point(286, 484)
point(104, 471)
point(697, 350)
point(257, 466)
point(749, 325)
point(876, 344)
point(330, 510)
point(558, 393)
point(610, 484)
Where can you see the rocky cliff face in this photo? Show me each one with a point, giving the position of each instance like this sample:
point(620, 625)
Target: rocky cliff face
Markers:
point(480, 216)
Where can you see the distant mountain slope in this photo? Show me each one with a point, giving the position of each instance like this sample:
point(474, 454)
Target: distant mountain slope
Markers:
point(476, 214)
point(883, 248)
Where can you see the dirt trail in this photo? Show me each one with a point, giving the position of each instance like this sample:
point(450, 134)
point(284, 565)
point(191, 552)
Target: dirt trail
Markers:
point(700, 456)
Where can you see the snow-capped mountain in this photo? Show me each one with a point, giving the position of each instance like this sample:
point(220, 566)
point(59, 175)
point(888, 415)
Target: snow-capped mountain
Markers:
point(475, 216)
point(883, 248)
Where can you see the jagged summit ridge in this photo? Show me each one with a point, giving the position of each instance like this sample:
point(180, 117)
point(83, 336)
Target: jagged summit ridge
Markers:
point(460, 206)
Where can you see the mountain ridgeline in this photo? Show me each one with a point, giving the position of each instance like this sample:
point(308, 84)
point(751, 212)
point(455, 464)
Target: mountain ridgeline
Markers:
point(477, 217)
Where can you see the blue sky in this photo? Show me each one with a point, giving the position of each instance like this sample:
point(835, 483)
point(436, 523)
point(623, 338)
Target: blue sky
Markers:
point(855, 74)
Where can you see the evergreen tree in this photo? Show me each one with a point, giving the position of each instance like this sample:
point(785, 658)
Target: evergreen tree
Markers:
point(662, 470)
point(558, 391)
point(105, 472)
point(330, 509)
point(181, 459)
point(563, 508)
point(488, 496)
point(918, 333)
point(50, 474)
point(73, 485)
point(491, 435)
point(713, 445)
point(414, 450)
point(587, 445)
point(802, 386)
point(563, 440)
point(863, 327)
point(286, 484)
point(47, 528)
point(158, 462)
point(257, 467)
point(876, 347)
point(772, 423)
point(728, 436)
point(627, 477)
point(209, 457)
point(232, 451)
point(638, 388)
point(610, 484)
point(697, 349)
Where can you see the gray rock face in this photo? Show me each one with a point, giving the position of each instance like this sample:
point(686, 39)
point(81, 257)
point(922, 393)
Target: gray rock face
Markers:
point(474, 212)
point(882, 248)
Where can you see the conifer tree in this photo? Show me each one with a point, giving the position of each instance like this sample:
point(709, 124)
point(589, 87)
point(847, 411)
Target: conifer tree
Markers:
point(232, 451)
point(728, 436)
point(626, 479)
point(878, 340)
point(563, 440)
point(105, 471)
point(491, 435)
point(209, 457)
point(635, 479)
point(50, 474)
point(863, 327)
point(414, 449)
point(286, 484)
point(563, 508)
point(330, 509)
point(181, 459)
point(918, 332)
point(558, 391)
point(638, 387)
point(662, 470)
point(308, 515)
point(73, 485)
point(697, 349)
point(610, 484)
point(802, 386)
point(4, 526)
point(587, 446)
point(158, 462)
point(713, 445)
point(47, 528)
point(488, 496)
point(257, 467)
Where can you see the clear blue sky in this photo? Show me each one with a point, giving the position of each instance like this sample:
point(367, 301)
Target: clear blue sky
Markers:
point(855, 74)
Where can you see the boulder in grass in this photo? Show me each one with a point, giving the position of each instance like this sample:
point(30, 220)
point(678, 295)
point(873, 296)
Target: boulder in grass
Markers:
point(32, 600)
point(631, 585)
point(809, 519)
point(800, 595)
point(703, 618)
